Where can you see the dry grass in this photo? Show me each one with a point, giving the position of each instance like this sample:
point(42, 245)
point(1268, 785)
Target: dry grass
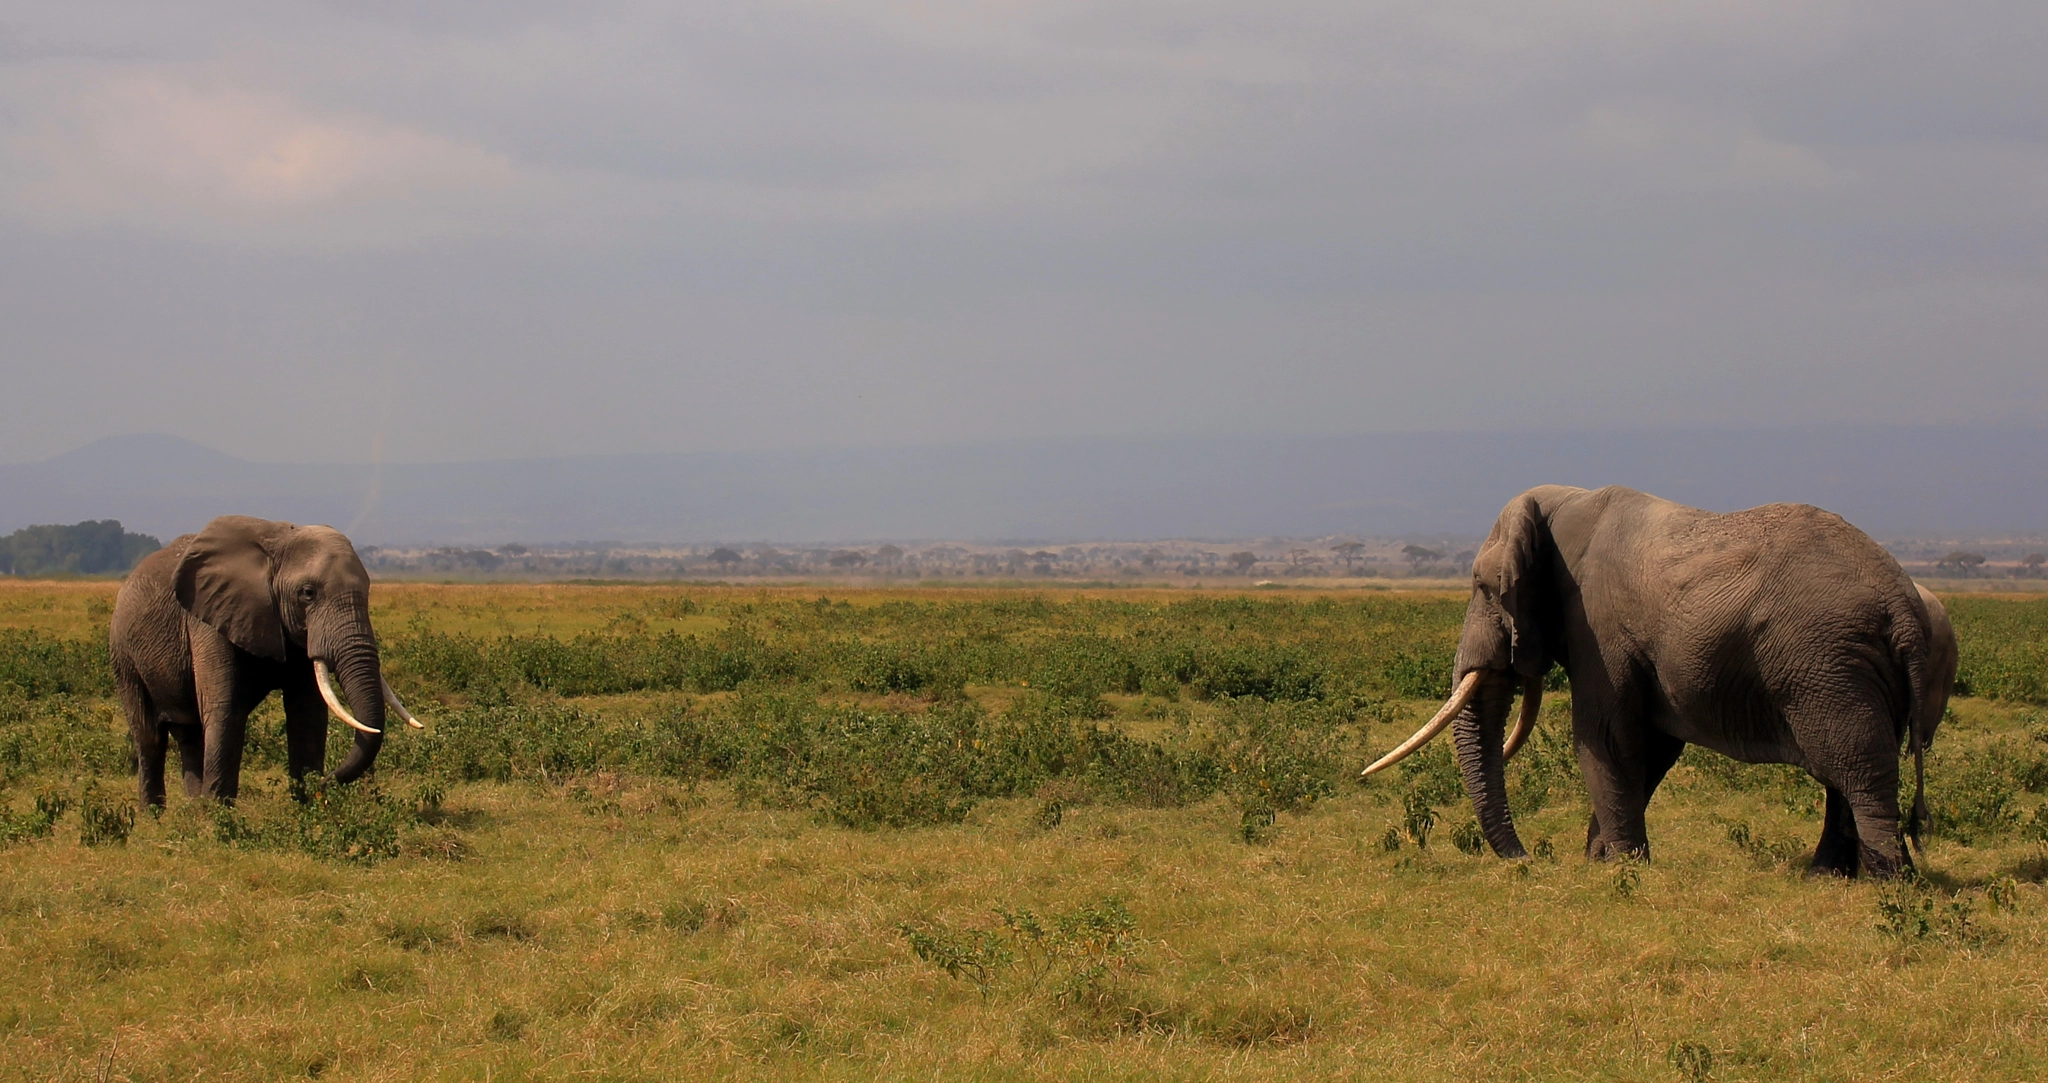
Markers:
point(622, 927)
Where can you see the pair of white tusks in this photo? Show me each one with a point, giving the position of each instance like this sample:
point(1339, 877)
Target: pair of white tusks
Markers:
point(325, 680)
point(1532, 703)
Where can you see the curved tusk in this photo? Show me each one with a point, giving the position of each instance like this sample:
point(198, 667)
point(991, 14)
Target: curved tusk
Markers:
point(1532, 705)
point(322, 678)
point(1459, 700)
point(392, 698)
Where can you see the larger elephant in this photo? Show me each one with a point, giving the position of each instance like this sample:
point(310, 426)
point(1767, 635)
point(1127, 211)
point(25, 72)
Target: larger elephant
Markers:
point(208, 626)
point(1780, 634)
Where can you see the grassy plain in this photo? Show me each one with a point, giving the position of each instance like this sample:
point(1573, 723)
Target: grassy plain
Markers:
point(658, 832)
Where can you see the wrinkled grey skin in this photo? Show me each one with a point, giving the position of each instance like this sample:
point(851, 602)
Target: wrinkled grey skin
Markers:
point(1780, 634)
point(210, 624)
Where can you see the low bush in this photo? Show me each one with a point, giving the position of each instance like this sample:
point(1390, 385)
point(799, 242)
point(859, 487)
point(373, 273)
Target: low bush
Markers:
point(103, 820)
point(37, 822)
point(34, 665)
point(1078, 958)
point(352, 824)
point(61, 734)
point(1279, 755)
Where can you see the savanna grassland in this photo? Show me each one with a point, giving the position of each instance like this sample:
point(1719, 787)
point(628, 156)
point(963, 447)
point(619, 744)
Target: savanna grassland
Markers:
point(661, 832)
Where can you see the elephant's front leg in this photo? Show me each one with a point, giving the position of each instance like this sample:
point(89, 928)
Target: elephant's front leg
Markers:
point(223, 756)
point(223, 714)
point(1616, 828)
point(1613, 762)
point(305, 728)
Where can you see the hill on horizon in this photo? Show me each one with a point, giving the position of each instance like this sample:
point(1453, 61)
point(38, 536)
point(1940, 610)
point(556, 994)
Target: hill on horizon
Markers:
point(1888, 480)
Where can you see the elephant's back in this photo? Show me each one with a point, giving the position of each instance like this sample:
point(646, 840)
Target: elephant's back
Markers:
point(146, 631)
point(1791, 592)
point(1803, 549)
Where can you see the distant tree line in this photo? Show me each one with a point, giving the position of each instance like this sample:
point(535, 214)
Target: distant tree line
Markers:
point(95, 547)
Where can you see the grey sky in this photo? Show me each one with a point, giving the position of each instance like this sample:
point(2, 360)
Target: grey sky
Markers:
point(326, 231)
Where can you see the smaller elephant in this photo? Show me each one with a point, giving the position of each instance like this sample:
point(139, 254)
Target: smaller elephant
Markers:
point(208, 626)
point(1780, 634)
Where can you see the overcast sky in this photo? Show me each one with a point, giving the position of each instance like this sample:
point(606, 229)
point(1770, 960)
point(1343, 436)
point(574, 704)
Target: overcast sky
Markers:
point(327, 231)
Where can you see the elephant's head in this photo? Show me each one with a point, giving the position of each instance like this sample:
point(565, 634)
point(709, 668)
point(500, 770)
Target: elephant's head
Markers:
point(1502, 646)
point(286, 592)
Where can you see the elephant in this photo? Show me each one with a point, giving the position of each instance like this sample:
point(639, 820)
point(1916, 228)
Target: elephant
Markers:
point(206, 627)
point(1780, 634)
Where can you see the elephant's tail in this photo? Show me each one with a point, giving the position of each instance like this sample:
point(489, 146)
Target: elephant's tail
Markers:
point(1916, 818)
point(1925, 642)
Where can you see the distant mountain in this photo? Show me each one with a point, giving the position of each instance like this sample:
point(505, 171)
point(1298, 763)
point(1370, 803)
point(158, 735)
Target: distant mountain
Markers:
point(1900, 480)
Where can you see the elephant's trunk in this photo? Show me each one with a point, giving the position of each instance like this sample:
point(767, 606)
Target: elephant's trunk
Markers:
point(363, 678)
point(1478, 732)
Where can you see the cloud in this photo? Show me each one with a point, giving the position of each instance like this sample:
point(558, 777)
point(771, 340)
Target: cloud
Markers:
point(159, 155)
point(1691, 150)
point(541, 226)
point(1379, 124)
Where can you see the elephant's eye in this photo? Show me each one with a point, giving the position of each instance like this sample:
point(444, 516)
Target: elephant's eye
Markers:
point(306, 592)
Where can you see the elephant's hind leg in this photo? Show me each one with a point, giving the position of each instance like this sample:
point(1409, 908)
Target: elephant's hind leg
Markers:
point(147, 731)
point(1839, 848)
point(1852, 750)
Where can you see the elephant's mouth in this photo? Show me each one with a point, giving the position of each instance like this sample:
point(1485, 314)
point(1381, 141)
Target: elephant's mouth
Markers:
point(1461, 698)
point(325, 679)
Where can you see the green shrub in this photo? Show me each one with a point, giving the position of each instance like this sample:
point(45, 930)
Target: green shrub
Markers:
point(353, 824)
point(35, 665)
point(1150, 774)
point(103, 820)
point(976, 955)
point(1418, 818)
point(1430, 775)
point(61, 734)
point(1256, 819)
point(1412, 674)
point(1973, 793)
point(502, 742)
point(1915, 910)
point(1259, 670)
point(2004, 648)
point(1546, 767)
point(1283, 754)
point(37, 822)
point(1084, 667)
point(893, 667)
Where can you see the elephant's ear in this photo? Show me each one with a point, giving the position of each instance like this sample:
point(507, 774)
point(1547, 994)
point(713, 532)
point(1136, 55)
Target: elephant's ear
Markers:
point(224, 580)
point(1511, 563)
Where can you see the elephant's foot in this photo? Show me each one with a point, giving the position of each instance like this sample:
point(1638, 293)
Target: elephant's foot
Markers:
point(1820, 867)
point(1834, 857)
point(1606, 849)
point(1616, 849)
point(1888, 866)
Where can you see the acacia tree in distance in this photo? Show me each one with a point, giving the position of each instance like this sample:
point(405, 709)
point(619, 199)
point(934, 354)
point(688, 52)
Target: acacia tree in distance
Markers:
point(1963, 561)
point(2032, 563)
point(1243, 560)
point(1347, 552)
point(1416, 554)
